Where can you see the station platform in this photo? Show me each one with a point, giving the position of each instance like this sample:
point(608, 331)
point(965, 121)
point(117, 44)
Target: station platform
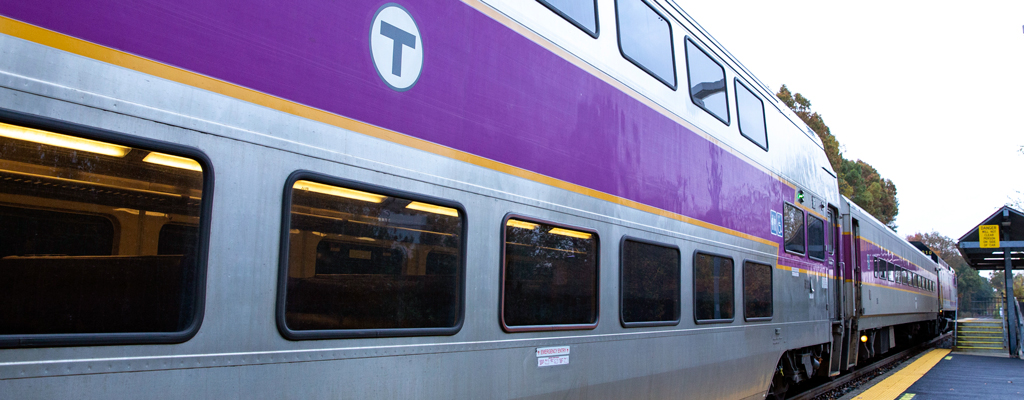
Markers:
point(946, 374)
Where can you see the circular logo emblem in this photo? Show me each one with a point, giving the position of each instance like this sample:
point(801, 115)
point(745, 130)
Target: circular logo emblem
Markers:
point(396, 47)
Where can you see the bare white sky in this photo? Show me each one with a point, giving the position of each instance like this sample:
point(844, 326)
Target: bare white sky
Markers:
point(929, 93)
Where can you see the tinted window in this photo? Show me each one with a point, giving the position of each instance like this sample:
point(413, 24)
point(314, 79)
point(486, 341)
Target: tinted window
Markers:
point(707, 82)
point(82, 250)
point(550, 275)
point(582, 13)
point(750, 113)
point(712, 287)
point(757, 290)
point(645, 38)
point(650, 282)
point(793, 229)
point(815, 237)
point(365, 261)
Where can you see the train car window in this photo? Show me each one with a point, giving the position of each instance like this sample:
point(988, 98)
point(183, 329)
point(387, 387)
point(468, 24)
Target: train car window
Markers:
point(890, 271)
point(366, 261)
point(712, 288)
point(877, 266)
point(750, 114)
point(582, 13)
point(550, 276)
point(793, 229)
point(707, 82)
point(815, 238)
point(649, 283)
point(87, 253)
point(757, 291)
point(645, 39)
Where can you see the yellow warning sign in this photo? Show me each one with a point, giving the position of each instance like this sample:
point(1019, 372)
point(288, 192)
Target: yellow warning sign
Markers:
point(989, 236)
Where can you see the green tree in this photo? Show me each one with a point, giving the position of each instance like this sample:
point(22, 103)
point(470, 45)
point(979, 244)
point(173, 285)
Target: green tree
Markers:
point(858, 180)
point(999, 284)
point(970, 285)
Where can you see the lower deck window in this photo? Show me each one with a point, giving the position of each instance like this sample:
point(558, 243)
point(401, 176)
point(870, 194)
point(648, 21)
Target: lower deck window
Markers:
point(367, 261)
point(550, 277)
point(649, 283)
point(757, 290)
point(712, 288)
point(97, 238)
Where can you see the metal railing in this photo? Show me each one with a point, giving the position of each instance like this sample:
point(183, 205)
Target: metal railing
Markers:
point(1020, 326)
point(982, 309)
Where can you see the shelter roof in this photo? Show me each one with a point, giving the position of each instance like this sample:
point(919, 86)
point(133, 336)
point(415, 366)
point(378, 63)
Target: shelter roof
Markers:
point(1010, 224)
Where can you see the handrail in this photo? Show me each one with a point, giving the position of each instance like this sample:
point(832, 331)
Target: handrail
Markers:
point(1020, 327)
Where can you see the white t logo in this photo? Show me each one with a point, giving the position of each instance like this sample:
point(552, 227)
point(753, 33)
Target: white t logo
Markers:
point(396, 47)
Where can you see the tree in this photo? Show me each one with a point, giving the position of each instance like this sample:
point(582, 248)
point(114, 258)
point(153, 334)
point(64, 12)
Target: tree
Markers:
point(858, 180)
point(998, 281)
point(970, 285)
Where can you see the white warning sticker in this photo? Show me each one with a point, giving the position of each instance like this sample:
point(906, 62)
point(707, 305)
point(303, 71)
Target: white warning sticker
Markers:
point(552, 361)
point(552, 351)
point(796, 271)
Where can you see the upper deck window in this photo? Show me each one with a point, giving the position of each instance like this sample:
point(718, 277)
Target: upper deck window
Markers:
point(645, 39)
point(750, 113)
point(582, 13)
point(707, 82)
point(815, 237)
point(100, 239)
point(366, 261)
point(550, 277)
point(793, 229)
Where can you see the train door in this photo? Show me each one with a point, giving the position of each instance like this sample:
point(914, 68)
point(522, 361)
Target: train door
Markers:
point(834, 264)
point(836, 281)
point(855, 267)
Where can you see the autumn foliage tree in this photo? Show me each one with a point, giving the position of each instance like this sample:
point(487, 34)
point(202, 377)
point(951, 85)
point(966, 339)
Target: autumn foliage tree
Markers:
point(970, 285)
point(858, 180)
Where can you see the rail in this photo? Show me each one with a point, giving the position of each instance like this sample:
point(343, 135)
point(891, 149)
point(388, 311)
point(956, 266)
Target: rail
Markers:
point(867, 370)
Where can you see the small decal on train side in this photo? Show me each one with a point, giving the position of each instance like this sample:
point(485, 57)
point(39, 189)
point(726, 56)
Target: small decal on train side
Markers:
point(396, 47)
point(552, 361)
point(776, 223)
point(552, 351)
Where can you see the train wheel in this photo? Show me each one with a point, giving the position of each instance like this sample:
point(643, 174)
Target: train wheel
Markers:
point(777, 390)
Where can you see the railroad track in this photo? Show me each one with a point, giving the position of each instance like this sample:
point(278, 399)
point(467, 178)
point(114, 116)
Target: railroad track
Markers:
point(867, 370)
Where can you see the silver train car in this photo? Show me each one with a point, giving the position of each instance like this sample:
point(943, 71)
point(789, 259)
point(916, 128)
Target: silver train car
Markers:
point(422, 199)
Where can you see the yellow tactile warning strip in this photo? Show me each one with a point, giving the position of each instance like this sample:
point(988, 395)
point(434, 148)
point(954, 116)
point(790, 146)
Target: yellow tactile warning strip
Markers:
point(892, 387)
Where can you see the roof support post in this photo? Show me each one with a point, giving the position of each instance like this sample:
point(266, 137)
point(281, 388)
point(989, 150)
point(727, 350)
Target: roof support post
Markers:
point(1011, 310)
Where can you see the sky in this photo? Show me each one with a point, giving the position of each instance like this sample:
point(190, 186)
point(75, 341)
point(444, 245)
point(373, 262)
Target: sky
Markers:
point(929, 93)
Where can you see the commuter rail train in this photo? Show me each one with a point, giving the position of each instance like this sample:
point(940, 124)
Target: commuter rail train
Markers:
point(422, 199)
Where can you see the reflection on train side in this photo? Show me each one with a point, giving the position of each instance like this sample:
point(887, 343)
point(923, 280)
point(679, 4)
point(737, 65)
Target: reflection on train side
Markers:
point(96, 237)
point(365, 261)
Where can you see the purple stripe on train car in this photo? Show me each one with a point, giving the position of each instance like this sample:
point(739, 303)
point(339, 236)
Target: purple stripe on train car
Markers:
point(868, 253)
point(484, 90)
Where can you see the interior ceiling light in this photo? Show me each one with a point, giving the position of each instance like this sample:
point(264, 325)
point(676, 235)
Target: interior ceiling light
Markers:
point(168, 160)
point(569, 233)
point(338, 191)
point(430, 208)
point(515, 223)
point(65, 141)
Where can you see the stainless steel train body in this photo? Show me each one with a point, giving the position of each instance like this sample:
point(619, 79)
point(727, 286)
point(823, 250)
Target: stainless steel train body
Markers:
point(521, 118)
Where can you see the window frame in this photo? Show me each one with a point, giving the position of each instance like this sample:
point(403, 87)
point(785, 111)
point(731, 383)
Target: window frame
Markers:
point(283, 262)
point(739, 114)
point(672, 45)
point(804, 214)
point(501, 285)
point(202, 248)
point(686, 51)
point(597, 21)
point(622, 263)
point(771, 275)
point(694, 276)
